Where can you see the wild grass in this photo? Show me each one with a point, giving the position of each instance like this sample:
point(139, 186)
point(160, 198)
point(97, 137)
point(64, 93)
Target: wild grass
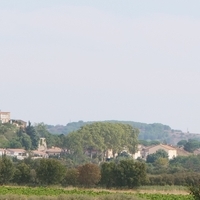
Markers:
point(71, 197)
point(164, 188)
point(167, 189)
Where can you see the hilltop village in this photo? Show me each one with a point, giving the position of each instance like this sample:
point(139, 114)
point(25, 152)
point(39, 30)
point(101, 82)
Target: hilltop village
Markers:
point(20, 153)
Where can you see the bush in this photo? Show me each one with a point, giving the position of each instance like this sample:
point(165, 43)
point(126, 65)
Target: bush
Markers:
point(89, 174)
point(195, 191)
point(183, 179)
point(126, 173)
point(50, 171)
point(71, 178)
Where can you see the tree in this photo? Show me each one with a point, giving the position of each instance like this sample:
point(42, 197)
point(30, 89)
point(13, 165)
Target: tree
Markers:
point(191, 145)
point(126, 173)
point(161, 162)
point(50, 171)
point(130, 173)
point(195, 191)
point(151, 158)
point(186, 163)
point(89, 174)
point(182, 142)
point(22, 174)
point(6, 169)
point(74, 142)
point(101, 136)
point(30, 130)
point(108, 174)
point(15, 143)
point(26, 141)
point(71, 178)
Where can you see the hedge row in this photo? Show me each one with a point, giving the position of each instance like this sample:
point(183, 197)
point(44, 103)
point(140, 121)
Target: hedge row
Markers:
point(184, 179)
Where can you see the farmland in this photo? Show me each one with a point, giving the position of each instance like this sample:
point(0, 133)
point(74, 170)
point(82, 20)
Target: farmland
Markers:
point(49, 193)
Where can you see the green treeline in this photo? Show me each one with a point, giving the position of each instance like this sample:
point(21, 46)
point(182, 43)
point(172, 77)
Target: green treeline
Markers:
point(126, 173)
point(118, 173)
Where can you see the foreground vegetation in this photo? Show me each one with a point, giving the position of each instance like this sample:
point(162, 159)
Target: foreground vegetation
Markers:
point(27, 193)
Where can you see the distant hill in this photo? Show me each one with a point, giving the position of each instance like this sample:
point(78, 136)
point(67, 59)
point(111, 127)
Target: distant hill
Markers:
point(151, 132)
point(154, 131)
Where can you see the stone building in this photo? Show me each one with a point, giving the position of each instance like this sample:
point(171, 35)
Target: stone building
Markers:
point(4, 117)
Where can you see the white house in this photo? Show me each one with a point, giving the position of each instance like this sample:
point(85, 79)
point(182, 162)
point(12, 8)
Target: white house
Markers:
point(171, 151)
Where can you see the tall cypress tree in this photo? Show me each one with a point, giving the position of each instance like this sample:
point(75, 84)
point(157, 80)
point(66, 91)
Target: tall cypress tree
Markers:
point(30, 130)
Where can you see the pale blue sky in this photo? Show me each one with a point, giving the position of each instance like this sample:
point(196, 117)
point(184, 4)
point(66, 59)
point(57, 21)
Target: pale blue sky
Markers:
point(63, 61)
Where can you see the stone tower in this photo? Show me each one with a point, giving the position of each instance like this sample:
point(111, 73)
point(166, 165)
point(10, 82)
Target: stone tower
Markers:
point(42, 146)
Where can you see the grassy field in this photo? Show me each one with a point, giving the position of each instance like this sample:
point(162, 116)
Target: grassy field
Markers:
point(164, 189)
point(51, 193)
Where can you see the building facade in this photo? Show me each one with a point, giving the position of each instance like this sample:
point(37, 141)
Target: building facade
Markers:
point(4, 117)
point(171, 151)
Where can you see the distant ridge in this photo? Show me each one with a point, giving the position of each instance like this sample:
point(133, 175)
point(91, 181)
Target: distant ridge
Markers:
point(149, 132)
point(155, 131)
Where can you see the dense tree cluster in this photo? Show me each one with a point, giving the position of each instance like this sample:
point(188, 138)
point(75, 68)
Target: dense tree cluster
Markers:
point(99, 137)
point(159, 164)
point(191, 145)
point(182, 170)
point(126, 173)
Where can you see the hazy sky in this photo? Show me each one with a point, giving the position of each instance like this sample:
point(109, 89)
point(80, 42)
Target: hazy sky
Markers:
point(70, 60)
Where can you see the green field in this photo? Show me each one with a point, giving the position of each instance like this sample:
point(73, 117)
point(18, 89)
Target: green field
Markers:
point(47, 193)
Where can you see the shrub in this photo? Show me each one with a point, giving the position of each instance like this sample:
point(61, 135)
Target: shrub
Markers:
point(71, 178)
point(50, 171)
point(89, 174)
